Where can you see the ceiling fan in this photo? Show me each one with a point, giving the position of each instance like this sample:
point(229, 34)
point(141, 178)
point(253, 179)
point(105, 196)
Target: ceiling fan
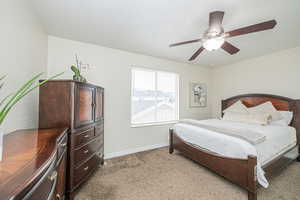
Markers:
point(214, 37)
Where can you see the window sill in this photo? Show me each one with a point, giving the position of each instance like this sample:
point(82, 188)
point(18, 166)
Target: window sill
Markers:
point(154, 124)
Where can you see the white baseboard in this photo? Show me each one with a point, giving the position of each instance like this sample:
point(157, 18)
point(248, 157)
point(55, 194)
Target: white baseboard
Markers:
point(135, 150)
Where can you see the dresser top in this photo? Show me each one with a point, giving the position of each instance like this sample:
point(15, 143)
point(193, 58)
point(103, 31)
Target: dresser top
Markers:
point(72, 81)
point(26, 154)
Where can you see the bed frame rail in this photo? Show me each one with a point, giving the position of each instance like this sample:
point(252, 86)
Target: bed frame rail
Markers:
point(241, 171)
point(238, 171)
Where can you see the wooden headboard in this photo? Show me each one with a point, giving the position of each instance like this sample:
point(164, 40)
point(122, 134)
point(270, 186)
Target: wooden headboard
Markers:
point(279, 102)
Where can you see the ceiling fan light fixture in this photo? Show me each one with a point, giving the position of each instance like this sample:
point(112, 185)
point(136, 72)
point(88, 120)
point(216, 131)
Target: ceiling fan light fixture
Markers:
point(213, 43)
point(214, 37)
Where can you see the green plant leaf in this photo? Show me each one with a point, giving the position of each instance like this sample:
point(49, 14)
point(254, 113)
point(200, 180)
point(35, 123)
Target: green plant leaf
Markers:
point(27, 85)
point(75, 70)
point(2, 77)
point(2, 102)
point(4, 113)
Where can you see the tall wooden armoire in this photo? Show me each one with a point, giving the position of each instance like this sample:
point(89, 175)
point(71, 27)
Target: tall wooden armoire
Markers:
point(78, 106)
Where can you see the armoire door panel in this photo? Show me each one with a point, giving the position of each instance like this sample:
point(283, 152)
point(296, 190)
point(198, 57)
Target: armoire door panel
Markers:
point(84, 105)
point(99, 98)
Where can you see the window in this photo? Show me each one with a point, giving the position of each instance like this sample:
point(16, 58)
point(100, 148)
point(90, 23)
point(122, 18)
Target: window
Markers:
point(154, 97)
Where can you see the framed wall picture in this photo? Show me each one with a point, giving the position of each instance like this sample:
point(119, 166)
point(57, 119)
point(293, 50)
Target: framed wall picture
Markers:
point(198, 95)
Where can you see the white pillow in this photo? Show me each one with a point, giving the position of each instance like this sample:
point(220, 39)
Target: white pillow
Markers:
point(287, 119)
point(252, 118)
point(237, 107)
point(287, 116)
point(267, 108)
point(281, 122)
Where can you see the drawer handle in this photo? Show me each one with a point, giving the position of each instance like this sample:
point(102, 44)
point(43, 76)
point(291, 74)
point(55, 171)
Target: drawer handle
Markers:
point(86, 136)
point(53, 176)
point(58, 197)
point(63, 145)
point(86, 151)
point(86, 168)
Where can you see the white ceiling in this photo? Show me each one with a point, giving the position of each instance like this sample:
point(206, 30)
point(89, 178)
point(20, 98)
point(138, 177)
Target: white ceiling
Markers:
point(149, 26)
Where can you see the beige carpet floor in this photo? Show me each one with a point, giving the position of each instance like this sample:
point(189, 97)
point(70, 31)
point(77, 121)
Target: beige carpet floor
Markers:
point(155, 175)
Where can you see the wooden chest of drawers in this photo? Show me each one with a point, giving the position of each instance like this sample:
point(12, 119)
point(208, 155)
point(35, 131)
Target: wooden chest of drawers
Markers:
point(34, 165)
point(78, 106)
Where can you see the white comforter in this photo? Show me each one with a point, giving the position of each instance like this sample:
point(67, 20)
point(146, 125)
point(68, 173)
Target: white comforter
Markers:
point(278, 139)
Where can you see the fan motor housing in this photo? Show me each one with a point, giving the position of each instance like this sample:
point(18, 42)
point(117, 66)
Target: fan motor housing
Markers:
point(213, 33)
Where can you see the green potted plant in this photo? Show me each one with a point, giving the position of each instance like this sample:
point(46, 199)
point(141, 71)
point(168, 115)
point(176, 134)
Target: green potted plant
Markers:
point(77, 75)
point(77, 71)
point(7, 103)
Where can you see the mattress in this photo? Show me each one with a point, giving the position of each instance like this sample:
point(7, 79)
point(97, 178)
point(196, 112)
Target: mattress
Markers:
point(278, 140)
point(277, 143)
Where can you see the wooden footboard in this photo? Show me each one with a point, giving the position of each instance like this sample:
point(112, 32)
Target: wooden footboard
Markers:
point(238, 171)
point(242, 171)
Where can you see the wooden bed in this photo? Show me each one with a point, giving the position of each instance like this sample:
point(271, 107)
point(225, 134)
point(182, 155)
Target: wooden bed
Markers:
point(242, 171)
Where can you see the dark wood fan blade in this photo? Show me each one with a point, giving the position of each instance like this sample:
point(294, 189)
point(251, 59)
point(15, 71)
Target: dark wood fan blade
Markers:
point(185, 42)
point(253, 28)
point(215, 19)
point(229, 48)
point(196, 53)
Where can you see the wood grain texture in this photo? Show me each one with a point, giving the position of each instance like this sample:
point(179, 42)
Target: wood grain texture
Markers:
point(241, 171)
point(54, 104)
point(84, 105)
point(82, 154)
point(60, 189)
point(83, 137)
point(99, 129)
point(85, 170)
point(99, 104)
point(59, 103)
point(194, 56)
point(27, 156)
point(253, 28)
point(295, 107)
point(235, 170)
point(185, 42)
point(83, 113)
point(44, 188)
point(279, 102)
point(229, 48)
point(252, 183)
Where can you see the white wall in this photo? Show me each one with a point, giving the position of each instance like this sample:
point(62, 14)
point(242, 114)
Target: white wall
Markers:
point(23, 53)
point(113, 72)
point(277, 73)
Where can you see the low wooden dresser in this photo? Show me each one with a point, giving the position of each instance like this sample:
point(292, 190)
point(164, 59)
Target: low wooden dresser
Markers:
point(34, 165)
point(78, 106)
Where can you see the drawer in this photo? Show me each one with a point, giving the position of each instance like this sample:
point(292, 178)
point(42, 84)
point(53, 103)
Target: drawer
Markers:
point(45, 186)
point(85, 169)
point(82, 154)
point(100, 153)
point(62, 145)
point(99, 129)
point(84, 137)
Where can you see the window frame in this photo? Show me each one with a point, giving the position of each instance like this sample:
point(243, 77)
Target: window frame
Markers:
point(156, 123)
